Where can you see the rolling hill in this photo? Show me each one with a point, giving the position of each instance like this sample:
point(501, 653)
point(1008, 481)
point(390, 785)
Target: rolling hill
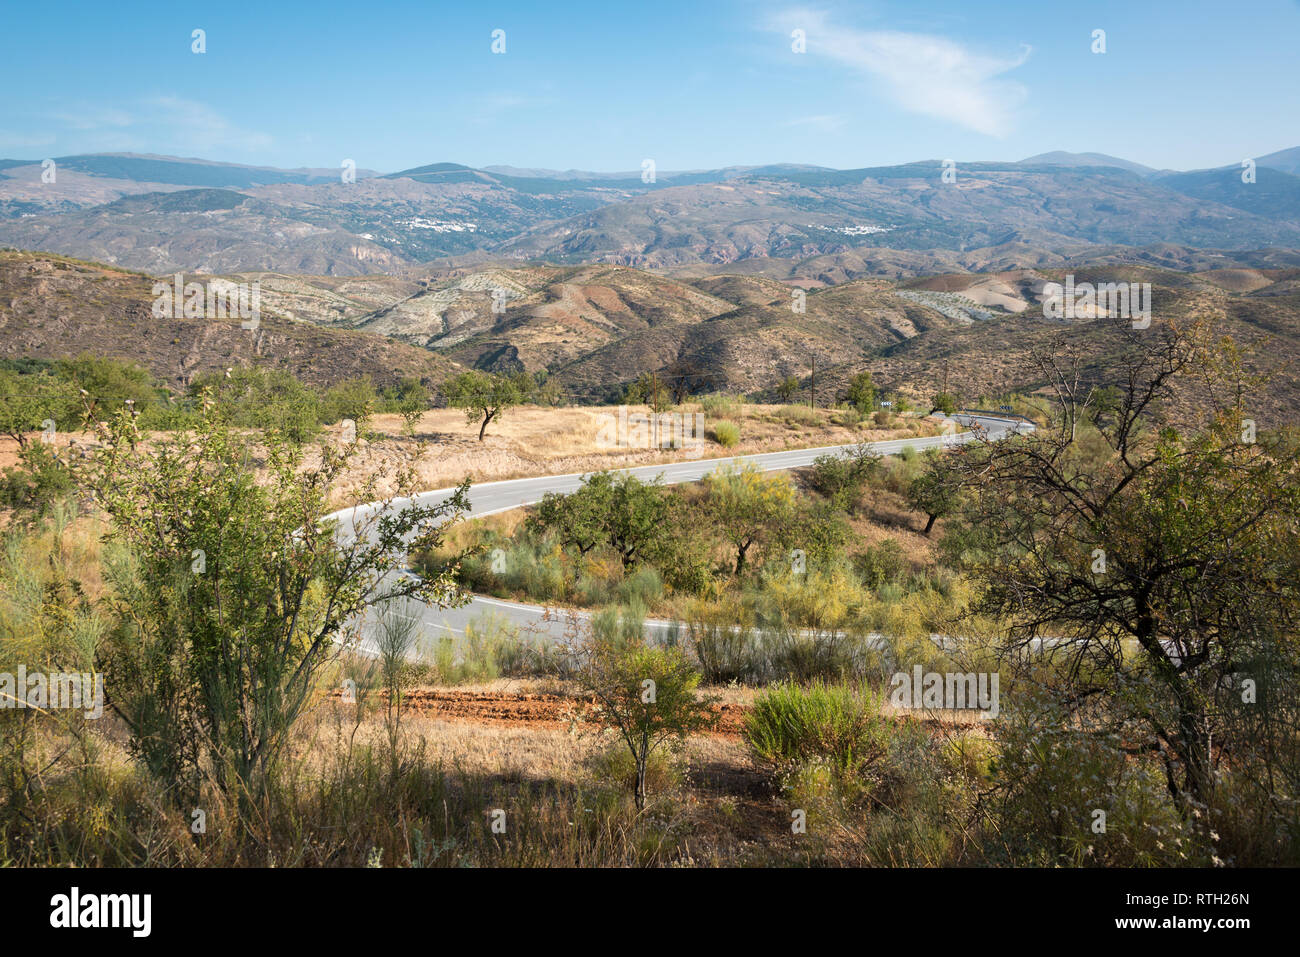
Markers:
point(52, 307)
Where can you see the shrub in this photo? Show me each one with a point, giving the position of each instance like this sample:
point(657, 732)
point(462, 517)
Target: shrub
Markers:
point(644, 585)
point(880, 564)
point(726, 433)
point(720, 404)
point(843, 477)
point(724, 643)
point(231, 607)
point(36, 482)
point(260, 399)
point(849, 418)
point(492, 648)
point(790, 725)
point(1053, 777)
point(354, 399)
point(799, 415)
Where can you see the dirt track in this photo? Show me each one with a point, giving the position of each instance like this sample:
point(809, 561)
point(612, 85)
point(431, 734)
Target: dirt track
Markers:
point(528, 709)
point(523, 709)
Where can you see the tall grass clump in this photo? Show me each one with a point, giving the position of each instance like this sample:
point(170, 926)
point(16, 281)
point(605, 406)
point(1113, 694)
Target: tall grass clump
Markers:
point(838, 724)
point(726, 433)
point(720, 404)
point(797, 415)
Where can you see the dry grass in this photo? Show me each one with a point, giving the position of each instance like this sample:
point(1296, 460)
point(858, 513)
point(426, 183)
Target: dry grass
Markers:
point(539, 440)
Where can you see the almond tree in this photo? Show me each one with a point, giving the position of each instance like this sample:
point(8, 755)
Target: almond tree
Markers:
point(648, 695)
point(621, 511)
point(483, 396)
point(1153, 552)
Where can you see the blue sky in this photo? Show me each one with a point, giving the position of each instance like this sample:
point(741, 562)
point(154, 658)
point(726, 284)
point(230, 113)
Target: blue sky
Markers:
point(604, 85)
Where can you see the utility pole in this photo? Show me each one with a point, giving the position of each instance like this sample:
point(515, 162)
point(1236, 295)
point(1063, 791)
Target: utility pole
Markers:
point(945, 376)
point(812, 383)
point(654, 407)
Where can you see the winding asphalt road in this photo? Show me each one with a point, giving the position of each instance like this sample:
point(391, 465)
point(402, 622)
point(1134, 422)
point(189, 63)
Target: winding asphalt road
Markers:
point(488, 498)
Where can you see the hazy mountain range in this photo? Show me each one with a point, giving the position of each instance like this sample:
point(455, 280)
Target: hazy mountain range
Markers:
point(164, 214)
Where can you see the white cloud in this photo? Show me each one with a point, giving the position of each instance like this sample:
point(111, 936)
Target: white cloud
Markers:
point(93, 118)
point(925, 74)
point(160, 124)
point(196, 126)
point(11, 141)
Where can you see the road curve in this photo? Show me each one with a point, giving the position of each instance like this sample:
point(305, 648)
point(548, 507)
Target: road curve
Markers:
point(489, 498)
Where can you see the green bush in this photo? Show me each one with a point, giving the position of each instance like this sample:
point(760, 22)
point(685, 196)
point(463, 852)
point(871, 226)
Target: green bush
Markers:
point(843, 477)
point(790, 726)
point(880, 564)
point(726, 433)
point(724, 643)
point(849, 418)
point(1053, 778)
point(38, 481)
point(644, 586)
point(354, 399)
point(799, 415)
point(492, 648)
point(263, 399)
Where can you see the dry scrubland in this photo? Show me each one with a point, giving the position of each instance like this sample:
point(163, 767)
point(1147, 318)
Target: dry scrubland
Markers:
point(542, 440)
point(538, 440)
point(501, 750)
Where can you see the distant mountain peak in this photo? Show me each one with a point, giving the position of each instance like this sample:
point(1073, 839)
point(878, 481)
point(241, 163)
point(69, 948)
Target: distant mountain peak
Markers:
point(1064, 158)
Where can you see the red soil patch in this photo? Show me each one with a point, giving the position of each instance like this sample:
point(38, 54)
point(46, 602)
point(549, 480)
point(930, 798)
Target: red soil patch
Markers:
point(526, 709)
point(557, 711)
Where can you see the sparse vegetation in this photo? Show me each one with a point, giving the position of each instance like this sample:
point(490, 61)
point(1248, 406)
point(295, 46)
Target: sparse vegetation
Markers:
point(799, 599)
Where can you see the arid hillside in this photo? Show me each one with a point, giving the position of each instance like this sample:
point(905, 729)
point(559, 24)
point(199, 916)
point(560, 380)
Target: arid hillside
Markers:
point(594, 329)
point(51, 307)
